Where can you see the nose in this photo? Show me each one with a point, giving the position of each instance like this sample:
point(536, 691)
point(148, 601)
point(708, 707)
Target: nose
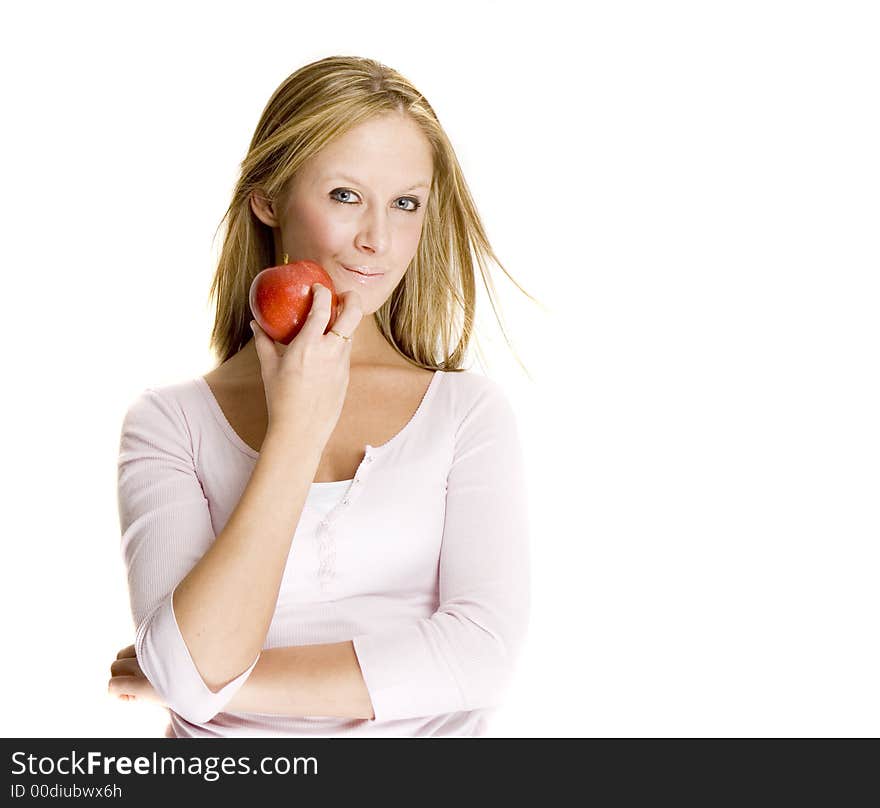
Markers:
point(374, 235)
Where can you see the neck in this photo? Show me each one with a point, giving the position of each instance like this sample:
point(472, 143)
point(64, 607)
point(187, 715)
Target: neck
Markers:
point(369, 348)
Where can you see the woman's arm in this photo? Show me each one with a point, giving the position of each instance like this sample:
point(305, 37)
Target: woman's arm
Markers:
point(463, 657)
point(306, 680)
point(202, 603)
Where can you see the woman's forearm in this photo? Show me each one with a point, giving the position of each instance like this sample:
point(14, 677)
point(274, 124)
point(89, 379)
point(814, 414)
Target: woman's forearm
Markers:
point(225, 604)
point(306, 680)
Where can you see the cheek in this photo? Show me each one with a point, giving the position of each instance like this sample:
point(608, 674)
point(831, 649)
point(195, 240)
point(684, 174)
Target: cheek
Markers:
point(410, 233)
point(316, 230)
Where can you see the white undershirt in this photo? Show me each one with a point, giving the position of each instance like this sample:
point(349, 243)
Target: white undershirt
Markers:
point(324, 497)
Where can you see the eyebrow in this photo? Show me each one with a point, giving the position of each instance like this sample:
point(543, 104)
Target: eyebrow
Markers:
point(420, 184)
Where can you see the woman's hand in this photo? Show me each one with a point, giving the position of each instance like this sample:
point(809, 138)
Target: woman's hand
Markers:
point(306, 381)
point(127, 679)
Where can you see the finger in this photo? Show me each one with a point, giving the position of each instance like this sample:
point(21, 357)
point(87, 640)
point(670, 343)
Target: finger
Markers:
point(123, 685)
point(128, 651)
point(349, 314)
point(319, 313)
point(135, 688)
point(124, 667)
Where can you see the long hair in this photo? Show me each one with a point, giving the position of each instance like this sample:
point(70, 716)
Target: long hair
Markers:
point(429, 317)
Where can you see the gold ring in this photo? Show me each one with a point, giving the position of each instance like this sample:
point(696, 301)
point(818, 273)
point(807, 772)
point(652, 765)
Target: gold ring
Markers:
point(339, 335)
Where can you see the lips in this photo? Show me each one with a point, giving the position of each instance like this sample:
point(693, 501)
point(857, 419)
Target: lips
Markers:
point(364, 272)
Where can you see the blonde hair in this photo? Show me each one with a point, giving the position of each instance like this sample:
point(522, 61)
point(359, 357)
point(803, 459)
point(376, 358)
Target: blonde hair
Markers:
point(433, 306)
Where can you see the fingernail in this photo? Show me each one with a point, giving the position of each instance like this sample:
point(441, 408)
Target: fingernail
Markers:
point(253, 330)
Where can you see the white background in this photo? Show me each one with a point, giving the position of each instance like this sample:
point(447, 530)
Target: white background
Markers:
point(692, 191)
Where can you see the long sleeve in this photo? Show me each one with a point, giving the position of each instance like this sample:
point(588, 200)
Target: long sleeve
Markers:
point(463, 656)
point(166, 529)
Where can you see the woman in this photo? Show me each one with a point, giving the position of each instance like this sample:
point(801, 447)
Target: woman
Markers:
point(330, 538)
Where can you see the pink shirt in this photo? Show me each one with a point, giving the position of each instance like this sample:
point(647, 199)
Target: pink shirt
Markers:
point(421, 560)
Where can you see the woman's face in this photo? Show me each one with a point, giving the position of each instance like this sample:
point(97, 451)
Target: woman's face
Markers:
point(360, 203)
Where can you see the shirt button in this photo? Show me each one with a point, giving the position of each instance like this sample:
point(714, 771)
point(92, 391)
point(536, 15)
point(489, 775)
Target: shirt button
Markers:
point(369, 459)
point(345, 502)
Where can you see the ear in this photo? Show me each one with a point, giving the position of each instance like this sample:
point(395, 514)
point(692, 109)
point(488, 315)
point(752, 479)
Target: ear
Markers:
point(263, 208)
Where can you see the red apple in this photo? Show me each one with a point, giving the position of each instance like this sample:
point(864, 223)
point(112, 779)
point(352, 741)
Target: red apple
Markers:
point(281, 297)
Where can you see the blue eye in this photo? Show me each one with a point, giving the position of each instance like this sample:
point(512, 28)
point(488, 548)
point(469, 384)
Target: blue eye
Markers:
point(415, 202)
point(339, 191)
